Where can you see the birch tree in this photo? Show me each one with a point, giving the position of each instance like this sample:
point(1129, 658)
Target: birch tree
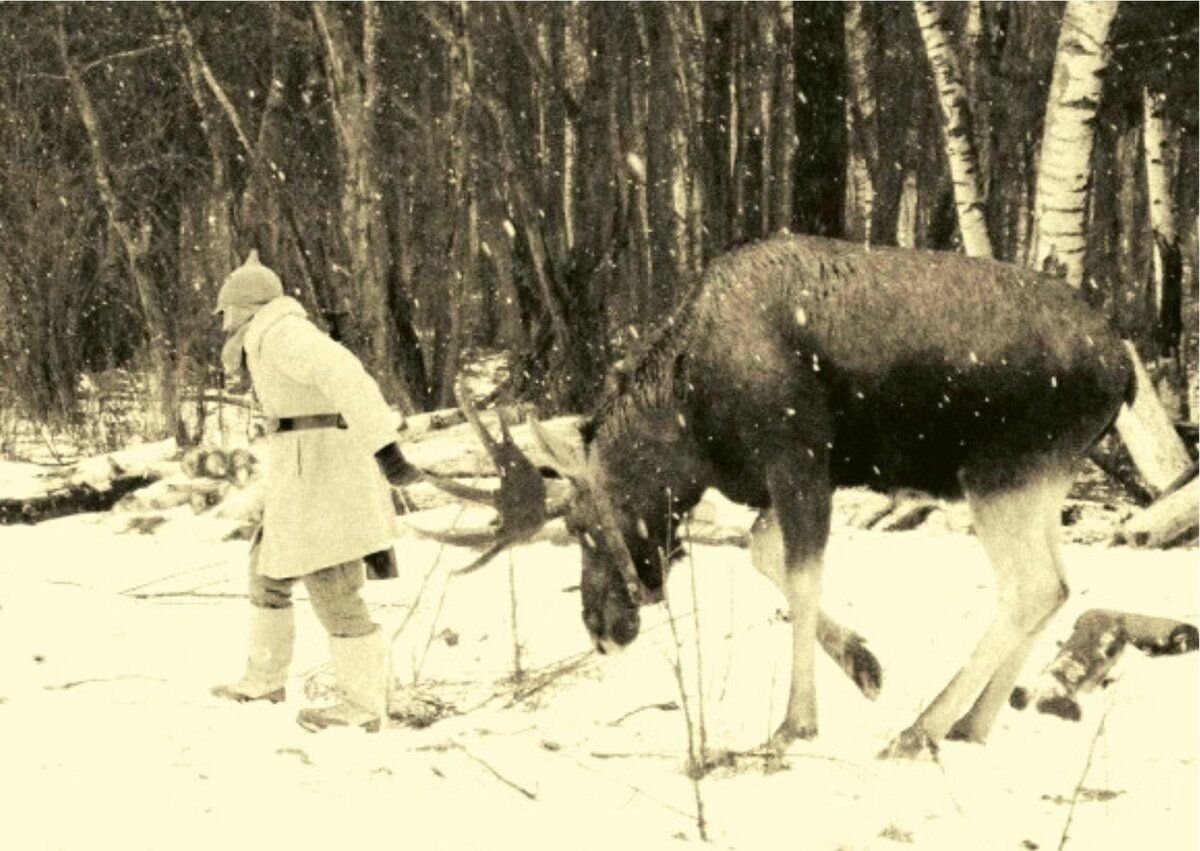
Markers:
point(1063, 184)
point(1166, 285)
point(1064, 171)
point(957, 134)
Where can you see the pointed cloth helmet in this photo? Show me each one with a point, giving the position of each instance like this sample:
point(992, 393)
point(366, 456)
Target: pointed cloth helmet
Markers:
point(249, 285)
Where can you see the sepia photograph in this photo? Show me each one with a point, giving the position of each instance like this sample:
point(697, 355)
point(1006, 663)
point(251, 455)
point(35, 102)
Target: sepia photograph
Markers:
point(477, 425)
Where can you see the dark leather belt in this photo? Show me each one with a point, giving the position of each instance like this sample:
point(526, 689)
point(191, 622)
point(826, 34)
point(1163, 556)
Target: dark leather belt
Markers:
point(307, 422)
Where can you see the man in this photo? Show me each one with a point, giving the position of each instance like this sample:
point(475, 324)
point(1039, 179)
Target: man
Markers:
point(326, 506)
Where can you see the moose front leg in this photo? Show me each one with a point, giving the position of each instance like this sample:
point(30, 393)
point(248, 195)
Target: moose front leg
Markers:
point(802, 500)
point(843, 645)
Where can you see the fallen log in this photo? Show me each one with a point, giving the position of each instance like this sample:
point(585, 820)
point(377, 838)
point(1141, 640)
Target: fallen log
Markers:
point(72, 498)
point(419, 425)
point(1088, 656)
point(1168, 521)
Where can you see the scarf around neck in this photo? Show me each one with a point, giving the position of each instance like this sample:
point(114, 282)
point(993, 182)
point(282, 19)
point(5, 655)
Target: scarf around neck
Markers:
point(233, 353)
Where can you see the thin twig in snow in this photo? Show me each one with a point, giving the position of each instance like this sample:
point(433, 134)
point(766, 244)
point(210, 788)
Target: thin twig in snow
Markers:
point(193, 593)
point(456, 745)
point(1087, 767)
point(699, 663)
point(551, 673)
point(636, 790)
point(949, 784)
point(728, 644)
point(90, 680)
point(668, 706)
point(416, 603)
point(695, 767)
point(420, 663)
point(160, 579)
point(491, 769)
point(642, 755)
point(518, 674)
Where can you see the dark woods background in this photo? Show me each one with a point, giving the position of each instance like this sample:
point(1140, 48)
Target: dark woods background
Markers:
point(434, 179)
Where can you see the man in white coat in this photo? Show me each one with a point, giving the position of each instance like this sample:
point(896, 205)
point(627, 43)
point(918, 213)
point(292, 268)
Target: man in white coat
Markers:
point(326, 507)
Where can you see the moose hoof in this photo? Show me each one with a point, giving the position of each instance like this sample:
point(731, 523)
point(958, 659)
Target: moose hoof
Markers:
point(864, 669)
point(913, 743)
point(788, 733)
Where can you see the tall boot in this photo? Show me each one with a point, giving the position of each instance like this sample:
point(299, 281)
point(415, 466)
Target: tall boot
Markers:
point(359, 667)
point(272, 639)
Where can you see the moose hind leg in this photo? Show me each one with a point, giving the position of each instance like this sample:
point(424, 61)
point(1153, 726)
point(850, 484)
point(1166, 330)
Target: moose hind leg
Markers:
point(977, 723)
point(1012, 527)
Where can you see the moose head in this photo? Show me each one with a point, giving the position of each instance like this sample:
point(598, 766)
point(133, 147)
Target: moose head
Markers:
point(623, 569)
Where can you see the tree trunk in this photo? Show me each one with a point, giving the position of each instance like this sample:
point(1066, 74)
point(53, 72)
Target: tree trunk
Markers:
point(819, 118)
point(720, 115)
point(909, 203)
point(750, 174)
point(979, 91)
point(1150, 436)
point(860, 129)
point(1060, 207)
point(134, 237)
point(1167, 294)
point(783, 122)
point(1064, 172)
point(957, 132)
point(1169, 521)
point(354, 95)
point(459, 197)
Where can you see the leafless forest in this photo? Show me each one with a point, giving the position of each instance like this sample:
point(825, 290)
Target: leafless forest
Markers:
point(436, 179)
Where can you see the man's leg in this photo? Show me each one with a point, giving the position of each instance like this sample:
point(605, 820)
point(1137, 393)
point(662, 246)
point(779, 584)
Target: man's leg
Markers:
point(360, 658)
point(272, 636)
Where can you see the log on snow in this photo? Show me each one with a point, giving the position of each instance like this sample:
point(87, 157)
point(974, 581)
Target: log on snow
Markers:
point(1089, 654)
point(72, 498)
point(1149, 435)
point(1171, 519)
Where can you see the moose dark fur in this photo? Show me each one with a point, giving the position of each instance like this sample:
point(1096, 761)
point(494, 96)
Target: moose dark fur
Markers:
point(799, 365)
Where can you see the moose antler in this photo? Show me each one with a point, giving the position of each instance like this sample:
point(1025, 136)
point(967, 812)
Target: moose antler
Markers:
point(520, 501)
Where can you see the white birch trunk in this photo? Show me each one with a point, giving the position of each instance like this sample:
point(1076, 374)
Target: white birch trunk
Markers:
point(956, 130)
point(1060, 207)
point(975, 46)
point(1064, 175)
point(1155, 140)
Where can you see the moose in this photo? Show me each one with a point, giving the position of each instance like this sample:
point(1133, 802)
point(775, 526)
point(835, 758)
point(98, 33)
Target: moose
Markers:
point(797, 365)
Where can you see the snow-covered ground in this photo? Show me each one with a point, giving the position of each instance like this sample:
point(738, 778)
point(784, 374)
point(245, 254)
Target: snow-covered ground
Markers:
point(109, 640)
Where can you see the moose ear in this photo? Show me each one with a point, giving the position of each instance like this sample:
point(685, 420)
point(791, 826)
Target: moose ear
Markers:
point(565, 457)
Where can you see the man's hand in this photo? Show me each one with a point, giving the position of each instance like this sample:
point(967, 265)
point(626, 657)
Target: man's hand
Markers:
point(394, 467)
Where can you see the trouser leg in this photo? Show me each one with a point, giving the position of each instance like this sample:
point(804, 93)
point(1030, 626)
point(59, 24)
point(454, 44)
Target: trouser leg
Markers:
point(360, 658)
point(334, 593)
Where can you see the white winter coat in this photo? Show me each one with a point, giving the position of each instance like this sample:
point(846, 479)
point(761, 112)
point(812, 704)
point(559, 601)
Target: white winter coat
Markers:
point(326, 501)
